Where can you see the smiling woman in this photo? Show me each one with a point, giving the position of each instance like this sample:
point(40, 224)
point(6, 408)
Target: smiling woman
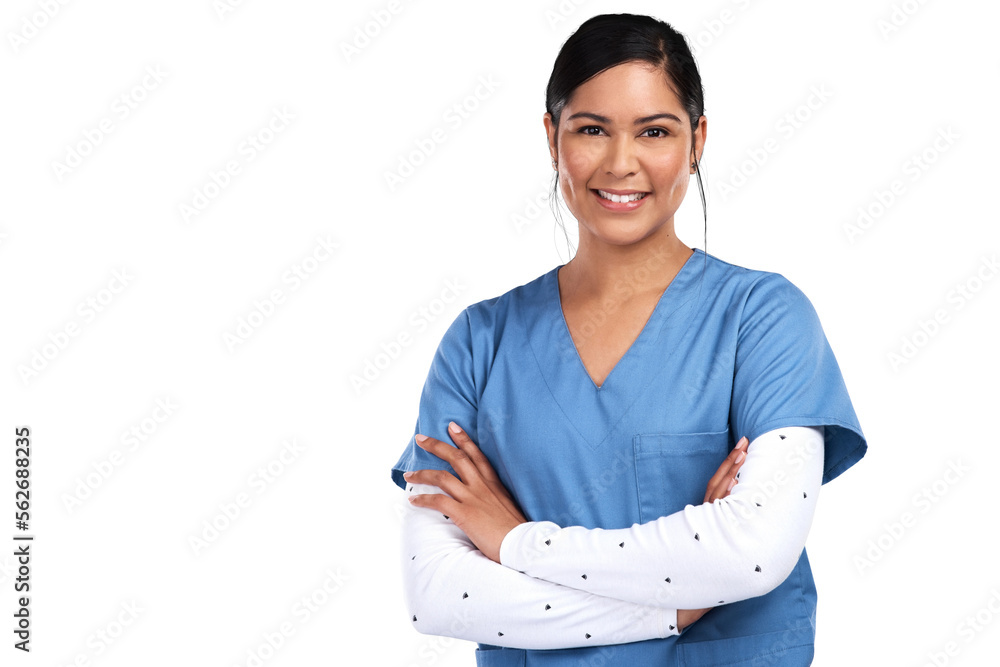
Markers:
point(616, 161)
point(618, 462)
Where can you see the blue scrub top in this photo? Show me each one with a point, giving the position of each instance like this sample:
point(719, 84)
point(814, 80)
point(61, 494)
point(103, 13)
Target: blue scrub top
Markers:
point(727, 352)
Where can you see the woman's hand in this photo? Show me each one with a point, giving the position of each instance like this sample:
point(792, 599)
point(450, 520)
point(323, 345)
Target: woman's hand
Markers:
point(724, 479)
point(479, 504)
point(719, 486)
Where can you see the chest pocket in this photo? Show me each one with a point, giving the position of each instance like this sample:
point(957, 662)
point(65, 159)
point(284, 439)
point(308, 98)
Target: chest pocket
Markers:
point(673, 469)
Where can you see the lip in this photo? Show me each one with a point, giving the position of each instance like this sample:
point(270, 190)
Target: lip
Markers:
point(619, 206)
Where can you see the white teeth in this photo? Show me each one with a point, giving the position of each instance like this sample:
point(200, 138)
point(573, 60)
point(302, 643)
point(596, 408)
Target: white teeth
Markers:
point(620, 198)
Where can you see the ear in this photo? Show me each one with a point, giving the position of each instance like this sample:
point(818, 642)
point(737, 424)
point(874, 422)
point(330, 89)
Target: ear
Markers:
point(550, 131)
point(700, 135)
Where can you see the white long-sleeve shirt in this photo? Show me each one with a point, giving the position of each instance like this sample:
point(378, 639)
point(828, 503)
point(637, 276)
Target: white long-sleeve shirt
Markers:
point(569, 587)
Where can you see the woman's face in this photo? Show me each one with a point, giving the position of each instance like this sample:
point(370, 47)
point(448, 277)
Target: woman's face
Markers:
point(624, 134)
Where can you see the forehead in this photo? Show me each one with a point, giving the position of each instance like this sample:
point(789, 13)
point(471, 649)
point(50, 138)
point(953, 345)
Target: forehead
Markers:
point(628, 90)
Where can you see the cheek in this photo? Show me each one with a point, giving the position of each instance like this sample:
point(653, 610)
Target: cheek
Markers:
point(575, 171)
point(671, 173)
point(577, 163)
point(569, 188)
point(679, 189)
point(671, 166)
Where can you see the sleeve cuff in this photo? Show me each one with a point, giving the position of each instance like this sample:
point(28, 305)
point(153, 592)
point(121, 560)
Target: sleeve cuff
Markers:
point(669, 623)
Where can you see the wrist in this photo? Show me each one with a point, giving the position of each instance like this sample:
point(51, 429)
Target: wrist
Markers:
point(685, 617)
point(510, 545)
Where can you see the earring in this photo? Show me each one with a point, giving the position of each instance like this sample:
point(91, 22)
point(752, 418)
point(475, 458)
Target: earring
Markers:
point(554, 163)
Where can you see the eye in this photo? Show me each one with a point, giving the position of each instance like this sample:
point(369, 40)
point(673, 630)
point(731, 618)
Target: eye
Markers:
point(658, 132)
point(590, 130)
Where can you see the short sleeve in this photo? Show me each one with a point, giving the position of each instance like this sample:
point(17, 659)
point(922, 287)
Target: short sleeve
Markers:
point(449, 394)
point(786, 374)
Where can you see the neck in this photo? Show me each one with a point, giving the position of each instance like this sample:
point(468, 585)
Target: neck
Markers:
point(600, 269)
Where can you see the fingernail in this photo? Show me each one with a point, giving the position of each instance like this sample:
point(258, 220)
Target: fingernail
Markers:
point(742, 443)
point(406, 475)
point(453, 427)
point(731, 485)
point(420, 438)
point(741, 456)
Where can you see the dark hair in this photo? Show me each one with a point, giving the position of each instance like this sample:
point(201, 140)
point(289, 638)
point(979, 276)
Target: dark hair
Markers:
point(605, 41)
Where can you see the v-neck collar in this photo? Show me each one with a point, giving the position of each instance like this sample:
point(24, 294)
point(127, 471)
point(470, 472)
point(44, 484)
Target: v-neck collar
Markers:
point(594, 411)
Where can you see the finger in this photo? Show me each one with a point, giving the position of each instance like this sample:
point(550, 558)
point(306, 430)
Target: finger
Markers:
point(731, 478)
point(720, 491)
point(724, 486)
point(735, 465)
point(457, 458)
point(712, 493)
point(442, 479)
point(724, 470)
point(439, 502)
point(725, 477)
point(475, 454)
point(728, 462)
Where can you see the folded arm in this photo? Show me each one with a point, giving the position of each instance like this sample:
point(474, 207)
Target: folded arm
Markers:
point(735, 548)
point(452, 589)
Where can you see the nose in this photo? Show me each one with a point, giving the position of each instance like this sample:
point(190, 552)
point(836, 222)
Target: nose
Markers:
point(621, 159)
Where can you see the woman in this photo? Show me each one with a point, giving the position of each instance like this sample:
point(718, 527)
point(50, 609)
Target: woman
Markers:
point(589, 511)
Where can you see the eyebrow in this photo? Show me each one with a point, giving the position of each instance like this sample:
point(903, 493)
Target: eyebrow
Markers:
point(638, 121)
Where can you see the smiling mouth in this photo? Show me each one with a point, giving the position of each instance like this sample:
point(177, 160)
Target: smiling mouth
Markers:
point(635, 196)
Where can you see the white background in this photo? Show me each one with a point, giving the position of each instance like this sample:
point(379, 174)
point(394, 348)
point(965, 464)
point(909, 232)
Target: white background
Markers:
point(331, 514)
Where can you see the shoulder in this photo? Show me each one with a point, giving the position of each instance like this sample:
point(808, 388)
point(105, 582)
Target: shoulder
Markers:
point(774, 291)
point(471, 343)
point(493, 313)
point(481, 324)
point(754, 289)
point(761, 303)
